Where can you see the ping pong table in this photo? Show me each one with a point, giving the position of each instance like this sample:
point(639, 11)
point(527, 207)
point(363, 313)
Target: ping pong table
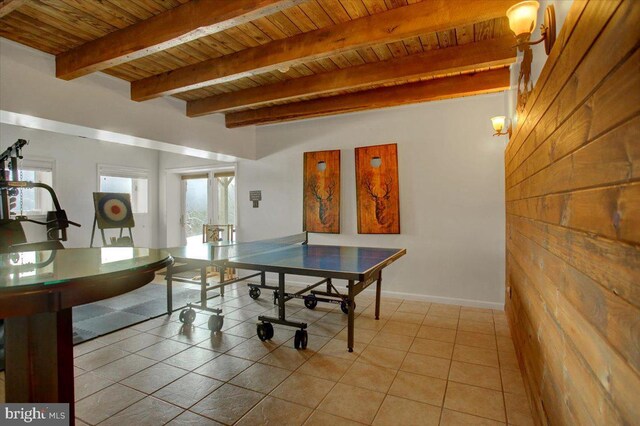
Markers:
point(292, 255)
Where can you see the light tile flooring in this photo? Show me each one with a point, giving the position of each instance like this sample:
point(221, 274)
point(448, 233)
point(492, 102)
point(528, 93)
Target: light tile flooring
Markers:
point(420, 364)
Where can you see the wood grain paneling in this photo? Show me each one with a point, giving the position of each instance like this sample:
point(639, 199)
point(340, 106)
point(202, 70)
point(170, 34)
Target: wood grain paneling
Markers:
point(573, 223)
point(576, 76)
point(435, 63)
point(177, 26)
point(568, 393)
point(387, 27)
point(8, 6)
point(430, 90)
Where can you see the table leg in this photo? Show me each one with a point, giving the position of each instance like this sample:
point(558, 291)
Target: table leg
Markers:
point(378, 291)
point(169, 290)
point(281, 302)
point(203, 287)
point(351, 316)
point(39, 358)
point(223, 272)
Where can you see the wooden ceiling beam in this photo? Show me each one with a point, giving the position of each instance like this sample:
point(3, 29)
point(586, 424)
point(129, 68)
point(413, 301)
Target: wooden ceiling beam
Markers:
point(432, 63)
point(8, 6)
point(393, 25)
point(179, 25)
point(430, 90)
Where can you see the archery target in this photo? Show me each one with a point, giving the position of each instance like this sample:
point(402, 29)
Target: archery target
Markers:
point(113, 210)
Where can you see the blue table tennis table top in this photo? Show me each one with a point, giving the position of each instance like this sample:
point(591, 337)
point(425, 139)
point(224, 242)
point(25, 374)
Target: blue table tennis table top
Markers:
point(345, 262)
point(320, 260)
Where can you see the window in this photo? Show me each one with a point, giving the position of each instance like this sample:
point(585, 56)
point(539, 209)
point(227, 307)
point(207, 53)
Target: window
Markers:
point(33, 201)
point(128, 180)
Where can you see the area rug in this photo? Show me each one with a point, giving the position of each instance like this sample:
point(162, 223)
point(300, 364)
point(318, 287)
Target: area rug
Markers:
point(103, 317)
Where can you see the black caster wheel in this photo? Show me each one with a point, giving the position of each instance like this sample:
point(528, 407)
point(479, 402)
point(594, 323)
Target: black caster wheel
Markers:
point(344, 306)
point(254, 293)
point(300, 340)
point(215, 323)
point(275, 297)
point(265, 331)
point(189, 316)
point(310, 301)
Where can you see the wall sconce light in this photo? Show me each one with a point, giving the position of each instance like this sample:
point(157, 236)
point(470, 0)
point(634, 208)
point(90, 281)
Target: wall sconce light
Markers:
point(498, 123)
point(522, 21)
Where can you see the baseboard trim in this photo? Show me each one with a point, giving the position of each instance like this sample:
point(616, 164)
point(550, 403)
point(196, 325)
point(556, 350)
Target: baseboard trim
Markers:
point(445, 300)
point(412, 296)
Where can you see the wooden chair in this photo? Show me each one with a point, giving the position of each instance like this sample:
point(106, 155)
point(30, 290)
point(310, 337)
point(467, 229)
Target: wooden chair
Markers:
point(216, 233)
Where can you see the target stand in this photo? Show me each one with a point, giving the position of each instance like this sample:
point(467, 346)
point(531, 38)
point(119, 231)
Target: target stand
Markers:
point(113, 211)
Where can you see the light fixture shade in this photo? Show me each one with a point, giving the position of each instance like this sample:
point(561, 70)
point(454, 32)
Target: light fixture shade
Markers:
point(498, 123)
point(522, 17)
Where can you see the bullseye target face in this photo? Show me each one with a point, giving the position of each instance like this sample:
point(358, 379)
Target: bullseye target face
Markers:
point(113, 210)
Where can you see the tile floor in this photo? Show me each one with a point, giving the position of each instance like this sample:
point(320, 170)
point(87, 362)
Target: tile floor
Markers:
point(420, 364)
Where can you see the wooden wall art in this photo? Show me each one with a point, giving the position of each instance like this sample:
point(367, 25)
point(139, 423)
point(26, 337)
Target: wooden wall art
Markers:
point(377, 189)
point(322, 192)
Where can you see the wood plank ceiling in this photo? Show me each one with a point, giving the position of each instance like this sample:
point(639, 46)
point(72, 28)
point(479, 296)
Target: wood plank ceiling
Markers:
point(266, 61)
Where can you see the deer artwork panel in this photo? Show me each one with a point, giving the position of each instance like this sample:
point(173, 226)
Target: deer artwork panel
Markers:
point(377, 189)
point(322, 192)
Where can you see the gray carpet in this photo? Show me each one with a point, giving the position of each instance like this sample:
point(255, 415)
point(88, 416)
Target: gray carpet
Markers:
point(95, 319)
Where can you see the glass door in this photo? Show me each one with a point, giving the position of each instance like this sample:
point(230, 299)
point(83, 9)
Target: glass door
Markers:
point(195, 207)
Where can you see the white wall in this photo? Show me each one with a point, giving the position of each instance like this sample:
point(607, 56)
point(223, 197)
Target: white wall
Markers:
point(75, 179)
point(451, 192)
point(28, 86)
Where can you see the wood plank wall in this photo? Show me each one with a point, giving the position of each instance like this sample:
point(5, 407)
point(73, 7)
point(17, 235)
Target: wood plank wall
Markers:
point(573, 223)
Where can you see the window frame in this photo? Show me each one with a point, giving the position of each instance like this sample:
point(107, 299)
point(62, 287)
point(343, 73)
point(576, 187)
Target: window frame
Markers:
point(38, 164)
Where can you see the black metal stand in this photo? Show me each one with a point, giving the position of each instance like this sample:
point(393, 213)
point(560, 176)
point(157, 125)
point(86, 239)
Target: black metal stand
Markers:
point(188, 315)
point(120, 242)
point(310, 295)
point(301, 336)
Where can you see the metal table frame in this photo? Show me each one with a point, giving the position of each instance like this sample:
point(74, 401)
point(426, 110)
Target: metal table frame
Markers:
point(185, 264)
point(357, 282)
